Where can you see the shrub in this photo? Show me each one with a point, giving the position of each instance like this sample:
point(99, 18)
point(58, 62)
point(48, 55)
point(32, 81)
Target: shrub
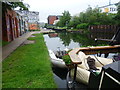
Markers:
point(96, 23)
point(66, 59)
point(82, 26)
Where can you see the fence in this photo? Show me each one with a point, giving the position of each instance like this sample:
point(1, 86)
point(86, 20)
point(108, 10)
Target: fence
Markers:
point(103, 31)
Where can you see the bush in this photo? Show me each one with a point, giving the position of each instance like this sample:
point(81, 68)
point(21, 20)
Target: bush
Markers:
point(82, 26)
point(66, 59)
point(96, 23)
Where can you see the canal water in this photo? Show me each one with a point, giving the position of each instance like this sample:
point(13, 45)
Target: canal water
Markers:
point(62, 40)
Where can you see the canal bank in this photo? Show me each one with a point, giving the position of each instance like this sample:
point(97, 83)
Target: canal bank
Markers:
point(28, 66)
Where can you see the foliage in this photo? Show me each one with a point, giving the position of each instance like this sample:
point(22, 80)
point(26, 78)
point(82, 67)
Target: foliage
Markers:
point(66, 59)
point(50, 27)
point(14, 5)
point(35, 30)
point(18, 4)
point(82, 26)
point(65, 19)
point(117, 17)
point(74, 21)
point(28, 66)
point(61, 27)
point(45, 25)
point(92, 16)
point(96, 23)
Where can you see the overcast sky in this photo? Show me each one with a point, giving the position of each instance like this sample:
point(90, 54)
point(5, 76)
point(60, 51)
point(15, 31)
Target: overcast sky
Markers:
point(57, 7)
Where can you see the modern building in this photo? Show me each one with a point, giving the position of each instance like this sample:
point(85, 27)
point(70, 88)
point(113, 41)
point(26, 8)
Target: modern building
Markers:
point(52, 18)
point(31, 17)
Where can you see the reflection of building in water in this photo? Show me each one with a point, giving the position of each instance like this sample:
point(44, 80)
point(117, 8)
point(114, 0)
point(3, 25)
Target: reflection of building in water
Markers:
point(53, 35)
point(103, 31)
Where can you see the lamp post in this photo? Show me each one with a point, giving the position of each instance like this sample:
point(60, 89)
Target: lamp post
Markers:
point(109, 2)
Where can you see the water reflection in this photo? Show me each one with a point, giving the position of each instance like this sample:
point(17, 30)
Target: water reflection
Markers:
point(56, 42)
point(82, 39)
point(102, 35)
point(70, 40)
point(60, 77)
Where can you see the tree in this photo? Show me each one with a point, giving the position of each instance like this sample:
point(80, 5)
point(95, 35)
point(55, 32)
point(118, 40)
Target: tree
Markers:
point(9, 5)
point(65, 19)
point(74, 21)
point(118, 14)
point(93, 17)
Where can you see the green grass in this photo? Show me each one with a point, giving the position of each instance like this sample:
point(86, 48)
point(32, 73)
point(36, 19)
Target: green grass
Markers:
point(35, 30)
point(28, 67)
point(5, 43)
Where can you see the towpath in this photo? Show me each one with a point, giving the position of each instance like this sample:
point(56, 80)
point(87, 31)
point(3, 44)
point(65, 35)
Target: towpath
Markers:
point(8, 49)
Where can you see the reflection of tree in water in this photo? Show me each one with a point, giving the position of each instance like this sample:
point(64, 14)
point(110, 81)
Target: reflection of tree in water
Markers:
point(82, 39)
point(65, 37)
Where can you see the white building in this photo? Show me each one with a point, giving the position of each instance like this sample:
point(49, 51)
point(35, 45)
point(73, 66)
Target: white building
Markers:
point(112, 8)
point(32, 17)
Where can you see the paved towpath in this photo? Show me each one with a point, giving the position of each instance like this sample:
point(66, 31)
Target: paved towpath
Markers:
point(8, 49)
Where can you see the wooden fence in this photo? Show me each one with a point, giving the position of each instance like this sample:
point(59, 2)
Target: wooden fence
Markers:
point(103, 31)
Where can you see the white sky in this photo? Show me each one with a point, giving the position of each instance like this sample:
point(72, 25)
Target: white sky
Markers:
point(57, 7)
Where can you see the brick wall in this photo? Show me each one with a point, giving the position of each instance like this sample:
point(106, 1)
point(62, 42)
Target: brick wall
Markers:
point(51, 19)
point(9, 25)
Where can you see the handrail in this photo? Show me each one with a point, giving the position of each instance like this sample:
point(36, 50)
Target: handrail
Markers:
point(76, 60)
point(74, 57)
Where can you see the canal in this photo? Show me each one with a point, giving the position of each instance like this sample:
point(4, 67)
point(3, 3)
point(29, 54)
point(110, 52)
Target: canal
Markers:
point(62, 40)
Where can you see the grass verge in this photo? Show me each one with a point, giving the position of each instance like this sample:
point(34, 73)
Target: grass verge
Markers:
point(28, 67)
point(4, 43)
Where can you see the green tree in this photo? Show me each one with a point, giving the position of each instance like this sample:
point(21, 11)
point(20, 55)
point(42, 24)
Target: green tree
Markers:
point(82, 26)
point(74, 21)
point(65, 19)
point(118, 14)
point(93, 17)
point(18, 4)
point(6, 5)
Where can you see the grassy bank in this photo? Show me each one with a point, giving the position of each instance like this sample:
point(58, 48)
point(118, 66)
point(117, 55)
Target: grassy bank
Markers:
point(28, 67)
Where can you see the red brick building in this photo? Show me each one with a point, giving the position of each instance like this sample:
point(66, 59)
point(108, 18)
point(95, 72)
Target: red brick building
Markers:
point(33, 26)
point(9, 25)
point(51, 19)
point(13, 24)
